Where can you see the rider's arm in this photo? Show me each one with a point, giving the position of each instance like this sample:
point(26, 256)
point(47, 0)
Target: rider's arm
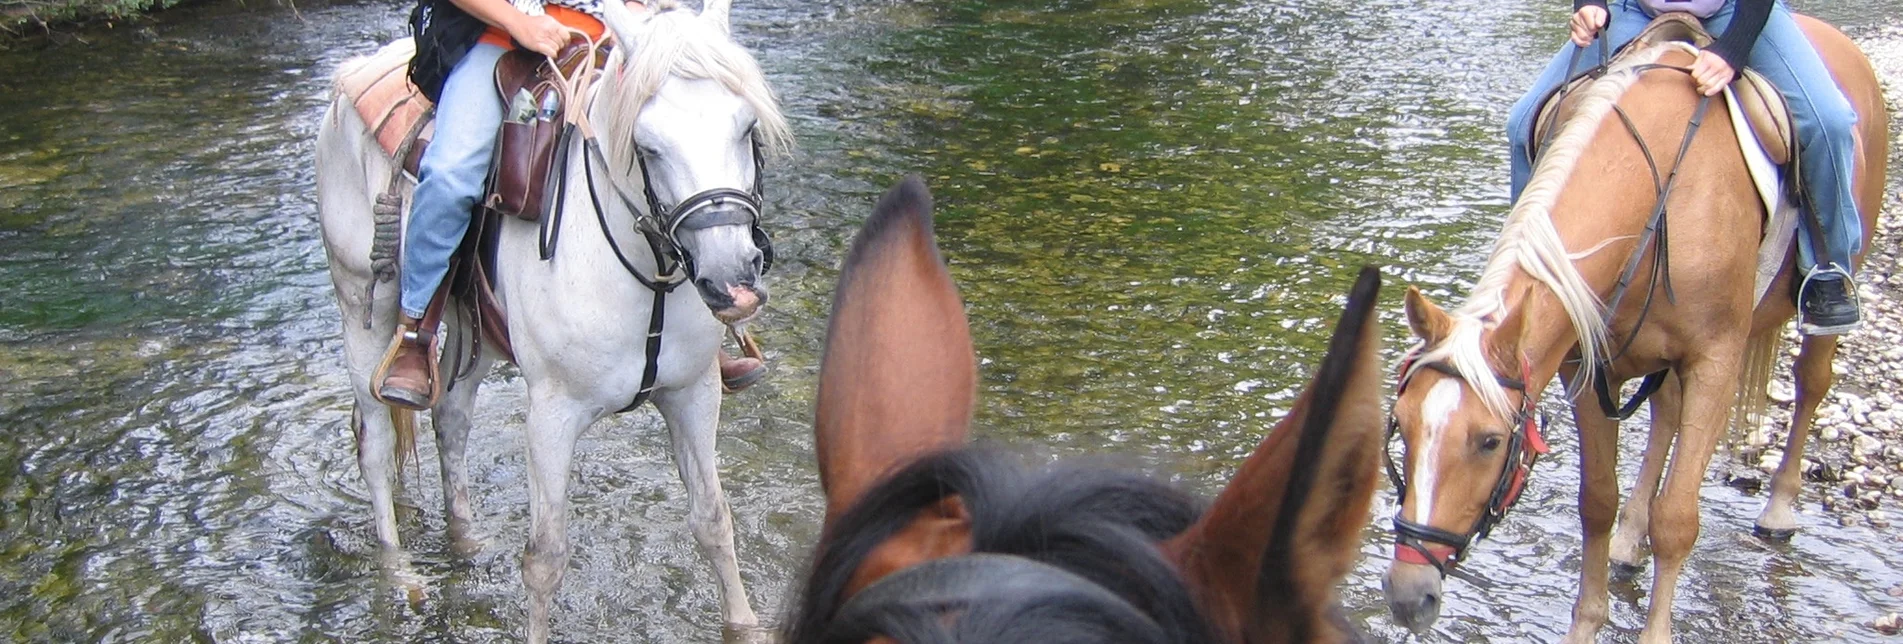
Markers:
point(1747, 20)
point(1577, 4)
point(536, 33)
point(500, 14)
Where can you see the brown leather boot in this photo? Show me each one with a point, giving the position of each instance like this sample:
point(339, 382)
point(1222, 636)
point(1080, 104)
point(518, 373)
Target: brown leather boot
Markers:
point(406, 381)
point(739, 373)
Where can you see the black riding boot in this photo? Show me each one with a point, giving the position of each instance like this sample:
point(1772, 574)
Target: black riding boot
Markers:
point(1827, 302)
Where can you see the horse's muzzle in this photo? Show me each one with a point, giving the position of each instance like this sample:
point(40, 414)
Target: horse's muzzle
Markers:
point(732, 303)
point(1413, 592)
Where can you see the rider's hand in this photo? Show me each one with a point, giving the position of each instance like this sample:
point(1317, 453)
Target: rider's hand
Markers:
point(540, 34)
point(1587, 22)
point(1712, 73)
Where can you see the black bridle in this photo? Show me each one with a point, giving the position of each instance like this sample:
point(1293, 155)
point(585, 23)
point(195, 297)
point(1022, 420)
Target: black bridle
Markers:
point(1413, 540)
point(660, 225)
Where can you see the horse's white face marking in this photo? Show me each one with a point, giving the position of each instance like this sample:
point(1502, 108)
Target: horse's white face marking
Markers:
point(1439, 407)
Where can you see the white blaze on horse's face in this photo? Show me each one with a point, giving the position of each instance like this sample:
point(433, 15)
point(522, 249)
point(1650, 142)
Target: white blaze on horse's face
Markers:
point(695, 136)
point(1436, 412)
point(1453, 460)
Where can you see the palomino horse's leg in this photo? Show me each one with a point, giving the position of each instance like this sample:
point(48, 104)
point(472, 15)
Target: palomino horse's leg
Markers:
point(1709, 388)
point(1598, 505)
point(451, 420)
point(1814, 378)
point(1635, 516)
point(554, 426)
point(692, 414)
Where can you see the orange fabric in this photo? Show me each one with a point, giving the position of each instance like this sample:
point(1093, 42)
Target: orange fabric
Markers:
point(568, 17)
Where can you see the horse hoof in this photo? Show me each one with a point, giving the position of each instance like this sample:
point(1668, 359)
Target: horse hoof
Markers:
point(1774, 534)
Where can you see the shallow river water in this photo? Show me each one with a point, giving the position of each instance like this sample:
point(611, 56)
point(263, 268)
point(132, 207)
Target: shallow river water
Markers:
point(1153, 208)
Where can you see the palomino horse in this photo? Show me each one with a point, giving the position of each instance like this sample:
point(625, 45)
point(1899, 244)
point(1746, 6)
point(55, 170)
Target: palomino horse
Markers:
point(1465, 410)
point(926, 540)
point(689, 107)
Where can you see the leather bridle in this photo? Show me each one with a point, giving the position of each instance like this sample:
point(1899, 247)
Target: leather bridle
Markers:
point(1414, 541)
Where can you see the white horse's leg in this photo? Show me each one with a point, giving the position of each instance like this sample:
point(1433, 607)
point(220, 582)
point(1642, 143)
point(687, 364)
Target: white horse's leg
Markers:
point(1814, 378)
point(1636, 516)
point(554, 426)
point(692, 413)
point(451, 420)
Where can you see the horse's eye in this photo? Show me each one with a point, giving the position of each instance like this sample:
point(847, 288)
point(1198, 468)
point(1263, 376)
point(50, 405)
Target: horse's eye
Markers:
point(1489, 444)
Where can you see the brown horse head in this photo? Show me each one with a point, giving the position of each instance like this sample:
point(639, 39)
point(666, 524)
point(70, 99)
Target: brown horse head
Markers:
point(927, 540)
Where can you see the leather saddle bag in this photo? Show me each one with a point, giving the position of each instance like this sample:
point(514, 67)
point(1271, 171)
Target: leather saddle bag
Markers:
point(529, 144)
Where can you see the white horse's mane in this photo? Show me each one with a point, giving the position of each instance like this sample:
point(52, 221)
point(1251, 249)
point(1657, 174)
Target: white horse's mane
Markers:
point(1529, 243)
point(676, 42)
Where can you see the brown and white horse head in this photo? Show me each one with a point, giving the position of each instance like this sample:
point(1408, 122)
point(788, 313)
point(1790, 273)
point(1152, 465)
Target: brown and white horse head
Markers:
point(1466, 423)
point(972, 545)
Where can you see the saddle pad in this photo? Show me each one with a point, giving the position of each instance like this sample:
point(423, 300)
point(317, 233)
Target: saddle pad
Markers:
point(380, 89)
point(1780, 226)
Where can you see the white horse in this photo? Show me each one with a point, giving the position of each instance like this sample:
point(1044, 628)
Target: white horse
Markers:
point(684, 113)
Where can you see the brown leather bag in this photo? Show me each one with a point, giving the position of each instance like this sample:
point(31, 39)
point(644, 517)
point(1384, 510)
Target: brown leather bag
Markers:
point(528, 144)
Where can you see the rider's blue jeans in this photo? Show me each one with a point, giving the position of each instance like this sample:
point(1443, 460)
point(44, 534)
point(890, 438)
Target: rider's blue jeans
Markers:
point(451, 175)
point(1825, 120)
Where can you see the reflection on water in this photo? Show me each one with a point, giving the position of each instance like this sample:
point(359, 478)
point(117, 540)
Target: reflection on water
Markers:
point(1153, 208)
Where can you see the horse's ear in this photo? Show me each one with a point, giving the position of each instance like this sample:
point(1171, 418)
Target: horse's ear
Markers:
point(716, 12)
point(1315, 475)
point(625, 23)
point(1425, 319)
point(899, 377)
point(1504, 342)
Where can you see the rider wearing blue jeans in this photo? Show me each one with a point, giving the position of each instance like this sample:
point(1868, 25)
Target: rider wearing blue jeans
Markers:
point(1762, 35)
point(455, 166)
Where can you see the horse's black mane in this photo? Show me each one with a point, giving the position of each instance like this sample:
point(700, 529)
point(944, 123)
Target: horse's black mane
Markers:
point(1098, 524)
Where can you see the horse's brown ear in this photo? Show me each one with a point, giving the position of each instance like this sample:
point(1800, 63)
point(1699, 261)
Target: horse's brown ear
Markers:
point(1425, 319)
point(898, 377)
point(1267, 556)
point(1503, 343)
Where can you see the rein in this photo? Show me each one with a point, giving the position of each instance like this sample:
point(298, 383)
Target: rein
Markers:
point(659, 225)
point(1660, 270)
point(1416, 543)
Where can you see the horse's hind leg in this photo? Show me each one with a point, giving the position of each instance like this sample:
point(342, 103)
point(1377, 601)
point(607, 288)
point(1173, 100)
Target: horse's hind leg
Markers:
point(692, 414)
point(1635, 516)
point(451, 419)
point(373, 425)
point(1598, 505)
point(1814, 379)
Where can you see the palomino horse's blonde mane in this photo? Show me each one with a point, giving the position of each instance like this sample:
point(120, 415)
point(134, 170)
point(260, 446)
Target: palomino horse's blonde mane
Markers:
point(1529, 243)
point(675, 42)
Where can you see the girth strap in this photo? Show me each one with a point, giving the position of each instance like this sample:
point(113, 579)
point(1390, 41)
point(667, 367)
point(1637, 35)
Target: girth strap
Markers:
point(1602, 386)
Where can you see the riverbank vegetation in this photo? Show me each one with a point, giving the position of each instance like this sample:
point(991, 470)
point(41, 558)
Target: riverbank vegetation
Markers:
point(21, 18)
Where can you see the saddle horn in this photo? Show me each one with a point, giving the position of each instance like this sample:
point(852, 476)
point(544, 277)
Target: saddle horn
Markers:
point(1273, 580)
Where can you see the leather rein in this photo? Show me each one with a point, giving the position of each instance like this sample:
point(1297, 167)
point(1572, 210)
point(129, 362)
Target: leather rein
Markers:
point(658, 223)
point(1414, 541)
point(1659, 271)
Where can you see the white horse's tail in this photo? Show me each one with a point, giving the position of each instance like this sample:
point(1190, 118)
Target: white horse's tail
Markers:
point(403, 421)
point(1747, 411)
